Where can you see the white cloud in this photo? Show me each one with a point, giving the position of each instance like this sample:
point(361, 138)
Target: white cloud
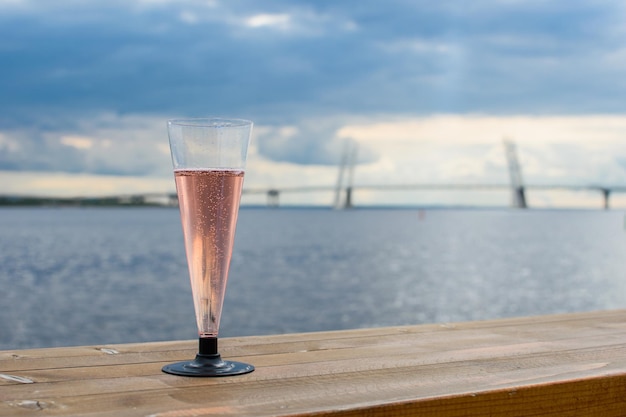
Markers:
point(592, 130)
point(189, 17)
point(419, 46)
point(7, 144)
point(78, 142)
point(280, 21)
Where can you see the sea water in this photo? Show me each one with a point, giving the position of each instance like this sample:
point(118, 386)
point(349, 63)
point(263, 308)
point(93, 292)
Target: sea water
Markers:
point(85, 276)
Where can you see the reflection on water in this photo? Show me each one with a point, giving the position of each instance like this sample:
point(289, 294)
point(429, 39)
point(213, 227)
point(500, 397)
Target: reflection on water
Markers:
point(92, 276)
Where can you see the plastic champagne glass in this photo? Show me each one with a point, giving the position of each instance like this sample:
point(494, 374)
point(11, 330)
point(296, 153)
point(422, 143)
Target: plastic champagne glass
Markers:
point(209, 157)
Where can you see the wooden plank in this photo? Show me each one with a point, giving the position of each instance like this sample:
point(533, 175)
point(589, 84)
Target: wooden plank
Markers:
point(81, 381)
point(529, 366)
point(37, 358)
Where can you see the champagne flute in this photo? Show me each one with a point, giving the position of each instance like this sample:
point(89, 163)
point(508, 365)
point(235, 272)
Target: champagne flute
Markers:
point(209, 157)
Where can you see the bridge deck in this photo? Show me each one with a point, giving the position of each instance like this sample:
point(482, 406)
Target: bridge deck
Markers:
point(564, 365)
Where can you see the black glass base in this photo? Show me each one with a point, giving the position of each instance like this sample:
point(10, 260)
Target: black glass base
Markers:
point(208, 363)
point(204, 366)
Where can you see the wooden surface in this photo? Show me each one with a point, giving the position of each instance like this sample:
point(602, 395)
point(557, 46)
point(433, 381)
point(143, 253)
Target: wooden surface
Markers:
point(565, 365)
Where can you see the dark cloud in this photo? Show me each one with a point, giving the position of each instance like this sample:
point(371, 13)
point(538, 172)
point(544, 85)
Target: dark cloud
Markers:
point(283, 63)
point(313, 142)
point(36, 152)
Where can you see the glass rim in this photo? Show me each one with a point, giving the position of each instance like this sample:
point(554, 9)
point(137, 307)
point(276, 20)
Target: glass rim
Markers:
point(210, 122)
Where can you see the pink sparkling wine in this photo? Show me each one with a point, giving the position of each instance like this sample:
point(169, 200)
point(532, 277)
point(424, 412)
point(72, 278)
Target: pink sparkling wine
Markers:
point(209, 204)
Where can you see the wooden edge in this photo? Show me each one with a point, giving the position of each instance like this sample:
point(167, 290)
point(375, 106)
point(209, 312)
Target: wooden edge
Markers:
point(603, 396)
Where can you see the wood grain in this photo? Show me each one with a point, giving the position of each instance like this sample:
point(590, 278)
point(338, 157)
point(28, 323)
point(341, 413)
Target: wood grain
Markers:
point(561, 365)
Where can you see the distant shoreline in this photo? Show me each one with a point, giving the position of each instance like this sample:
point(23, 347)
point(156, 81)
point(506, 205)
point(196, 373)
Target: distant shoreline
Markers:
point(113, 202)
point(27, 201)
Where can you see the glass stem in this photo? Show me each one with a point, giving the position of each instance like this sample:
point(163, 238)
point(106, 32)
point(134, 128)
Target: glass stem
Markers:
point(208, 346)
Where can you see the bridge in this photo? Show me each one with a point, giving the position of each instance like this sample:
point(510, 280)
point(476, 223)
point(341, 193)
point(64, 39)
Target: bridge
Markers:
point(273, 194)
point(345, 194)
point(346, 187)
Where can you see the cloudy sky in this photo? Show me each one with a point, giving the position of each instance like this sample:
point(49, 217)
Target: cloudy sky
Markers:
point(427, 90)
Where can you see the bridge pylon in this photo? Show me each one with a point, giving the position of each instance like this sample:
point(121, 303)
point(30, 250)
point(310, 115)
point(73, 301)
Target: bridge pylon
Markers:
point(515, 173)
point(273, 198)
point(606, 194)
point(347, 163)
